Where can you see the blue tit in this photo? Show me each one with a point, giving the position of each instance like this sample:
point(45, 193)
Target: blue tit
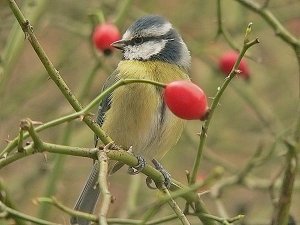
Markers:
point(135, 115)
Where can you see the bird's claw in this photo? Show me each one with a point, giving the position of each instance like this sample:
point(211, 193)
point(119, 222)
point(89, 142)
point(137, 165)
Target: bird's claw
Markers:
point(166, 175)
point(139, 167)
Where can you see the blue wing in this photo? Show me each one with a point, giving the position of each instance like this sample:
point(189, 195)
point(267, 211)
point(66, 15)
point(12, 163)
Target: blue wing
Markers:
point(105, 104)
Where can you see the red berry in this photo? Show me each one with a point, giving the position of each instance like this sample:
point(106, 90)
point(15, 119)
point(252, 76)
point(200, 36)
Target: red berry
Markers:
point(227, 62)
point(186, 100)
point(104, 35)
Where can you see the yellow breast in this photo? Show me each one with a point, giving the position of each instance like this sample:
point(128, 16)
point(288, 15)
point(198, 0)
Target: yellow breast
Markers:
point(153, 70)
point(137, 116)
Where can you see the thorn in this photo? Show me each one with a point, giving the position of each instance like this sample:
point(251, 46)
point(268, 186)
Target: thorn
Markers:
point(36, 122)
point(237, 71)
point(7, 141)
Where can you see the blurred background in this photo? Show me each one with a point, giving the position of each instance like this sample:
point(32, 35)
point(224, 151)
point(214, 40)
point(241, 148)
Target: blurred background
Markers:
point(251, 116)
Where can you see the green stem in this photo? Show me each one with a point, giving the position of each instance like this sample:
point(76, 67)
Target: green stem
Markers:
point(282, 210)
point(12, 144)
point(103, 187)
point(53, 73)
point(123, 156)
point(269, 17)
point(281, 213)
point(16, 214)
point(72, 212)
point(93, 218)
point(55, 76)
point(173, 204)
point(297, 127)
point(223, 220)
point(53, 148)
point(87, 119)
point(215, 103)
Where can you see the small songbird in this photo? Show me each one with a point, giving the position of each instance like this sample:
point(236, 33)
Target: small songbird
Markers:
point(135, 115)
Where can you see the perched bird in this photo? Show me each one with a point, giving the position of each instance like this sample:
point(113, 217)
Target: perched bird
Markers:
point(135, 115)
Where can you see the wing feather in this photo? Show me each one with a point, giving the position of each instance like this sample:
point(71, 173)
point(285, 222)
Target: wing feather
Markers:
point(106, 102)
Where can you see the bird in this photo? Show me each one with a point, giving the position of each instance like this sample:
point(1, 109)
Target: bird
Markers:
point(135, 115)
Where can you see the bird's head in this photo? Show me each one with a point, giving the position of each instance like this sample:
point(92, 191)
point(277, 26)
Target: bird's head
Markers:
point(153, 38)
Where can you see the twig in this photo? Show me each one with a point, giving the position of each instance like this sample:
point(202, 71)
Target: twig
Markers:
point(224, 221)
point(282, 212)
point(173, 204)
point(220, 207)
point(282, 209)
point(279, 30)
point(27, 124)
point(53, 73)
point(93, 218)
point(67, 210)
point(221, 30)
point(53, 148)
point(181, 191)
point(122, 156)
point(83, 113)
point(162, 220)
point(216, 100)
point(17, 214)
point(12, 144)
point(103, 186)
point(55, 76)
point(20, 140)
point(136, 222)
point(268, 16)
point(241, 177)
point(132, 222)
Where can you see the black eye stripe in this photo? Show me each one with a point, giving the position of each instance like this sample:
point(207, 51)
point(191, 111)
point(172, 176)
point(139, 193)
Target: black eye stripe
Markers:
point(132, 41)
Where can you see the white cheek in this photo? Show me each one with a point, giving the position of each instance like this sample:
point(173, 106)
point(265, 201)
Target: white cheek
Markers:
point(144, 51)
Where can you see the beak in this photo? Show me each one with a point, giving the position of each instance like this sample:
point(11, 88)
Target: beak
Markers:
point(119, 44)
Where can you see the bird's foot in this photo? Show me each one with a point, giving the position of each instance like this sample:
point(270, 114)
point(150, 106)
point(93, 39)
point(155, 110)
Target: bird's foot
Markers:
point(139, 167)
point(163, 171)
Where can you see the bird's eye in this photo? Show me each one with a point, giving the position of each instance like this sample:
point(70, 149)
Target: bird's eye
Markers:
point(138, 40)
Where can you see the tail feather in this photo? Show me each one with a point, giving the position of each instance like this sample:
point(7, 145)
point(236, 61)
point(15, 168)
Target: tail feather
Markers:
point(88, 196)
